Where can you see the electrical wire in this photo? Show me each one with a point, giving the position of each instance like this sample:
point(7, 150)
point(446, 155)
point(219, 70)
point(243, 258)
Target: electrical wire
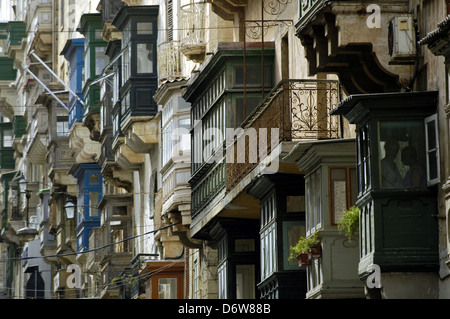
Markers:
point(122, 283)
point(89, 250)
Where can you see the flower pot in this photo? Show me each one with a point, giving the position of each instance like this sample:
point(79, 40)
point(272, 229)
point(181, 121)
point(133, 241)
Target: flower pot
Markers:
point(303, 260)
point(315, 250)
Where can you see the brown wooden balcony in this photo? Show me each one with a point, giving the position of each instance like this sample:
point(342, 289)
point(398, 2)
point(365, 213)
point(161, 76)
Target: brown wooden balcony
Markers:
point(299, 110)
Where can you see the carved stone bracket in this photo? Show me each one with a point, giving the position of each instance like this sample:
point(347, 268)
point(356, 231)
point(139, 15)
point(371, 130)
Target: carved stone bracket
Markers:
point(86, 150)
point(118, 177)
point(181, 229)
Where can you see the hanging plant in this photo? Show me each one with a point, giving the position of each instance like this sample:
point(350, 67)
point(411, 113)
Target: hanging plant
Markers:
point(349, 222)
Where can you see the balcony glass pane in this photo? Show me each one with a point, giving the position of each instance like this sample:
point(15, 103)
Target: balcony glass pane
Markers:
point(8, 138)
point(93, 203)
point(87, 64)
point(62, 127)
point(126, 66)
point(184, 135)
point(101, 60)
point(338, 184)
point(245, 281)
point(167, 288)
point(144, 28)
point(402, 154)
point(144, 58)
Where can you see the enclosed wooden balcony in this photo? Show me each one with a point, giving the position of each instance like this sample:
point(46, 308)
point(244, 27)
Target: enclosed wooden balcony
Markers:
point(295, 110)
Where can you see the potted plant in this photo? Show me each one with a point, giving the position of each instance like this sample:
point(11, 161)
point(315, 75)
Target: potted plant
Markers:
point(305, 249)
point(349, 223)
point(314, 248)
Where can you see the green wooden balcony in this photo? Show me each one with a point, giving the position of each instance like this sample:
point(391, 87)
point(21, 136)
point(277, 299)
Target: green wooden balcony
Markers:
point(19, 126)
point(16, 32)
point(7, 159)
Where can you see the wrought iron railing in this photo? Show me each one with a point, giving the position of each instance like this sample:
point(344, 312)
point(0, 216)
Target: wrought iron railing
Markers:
point(294, 110)
point(169, 61)
point(192, 29)
point(307, 7)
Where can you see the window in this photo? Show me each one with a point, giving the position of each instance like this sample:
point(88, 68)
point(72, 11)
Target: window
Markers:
point(253, 76)
point(238, 111)
point(313, 201)
point(402, 155)
point(93, 179)
point(144, 57)
point(222, 280)
point(268, 236)
point(62, 126)
point(196, 266)
point(101, 60)
point(143, 28)
point(245, 281)
point(126, 64)
point(93, 203)
point(343, 193)
point(167, 288)
point(363, 151)
point(292, 231)
point(184, 137)
point(432, 149)
point(8, 138)
point(167, 142)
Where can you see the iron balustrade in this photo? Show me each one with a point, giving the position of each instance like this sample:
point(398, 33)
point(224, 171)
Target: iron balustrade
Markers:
point(298, 109)
point(169, 61)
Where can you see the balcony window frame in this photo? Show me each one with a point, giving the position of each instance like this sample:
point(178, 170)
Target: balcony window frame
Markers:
point(63, 131)
point(130, 40)
point(350, 186)
point(232, 255)
point(432, 180)
point(313, 201)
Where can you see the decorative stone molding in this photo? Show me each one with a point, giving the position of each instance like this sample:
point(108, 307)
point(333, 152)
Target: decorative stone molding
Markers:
point(114, 175)
point(86, 150)
point(182, 219)
point(92, 122)
point(110, 33)
point(334, 34)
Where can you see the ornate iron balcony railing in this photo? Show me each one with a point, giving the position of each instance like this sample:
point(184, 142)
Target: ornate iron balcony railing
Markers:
point(299, 110)
point(169, 61)
point(308, 8)
point(192, 30)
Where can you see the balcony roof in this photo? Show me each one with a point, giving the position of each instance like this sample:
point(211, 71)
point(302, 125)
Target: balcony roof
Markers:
point(357, 105)
point(225, 50)
point(127, 12)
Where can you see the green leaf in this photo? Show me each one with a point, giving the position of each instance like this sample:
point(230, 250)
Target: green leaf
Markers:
point(349, 222)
